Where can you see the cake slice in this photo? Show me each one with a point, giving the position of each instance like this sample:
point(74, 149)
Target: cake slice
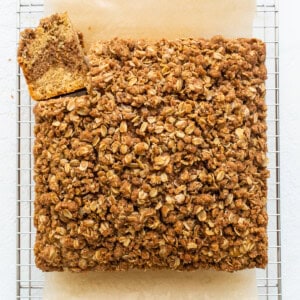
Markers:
point(52, 58)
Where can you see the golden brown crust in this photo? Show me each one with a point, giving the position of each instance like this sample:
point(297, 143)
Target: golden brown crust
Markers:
point(162, 166)
point(52, 58)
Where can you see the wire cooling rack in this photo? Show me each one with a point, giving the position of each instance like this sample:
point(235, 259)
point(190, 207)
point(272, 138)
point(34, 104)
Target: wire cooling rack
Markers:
point(29, 279)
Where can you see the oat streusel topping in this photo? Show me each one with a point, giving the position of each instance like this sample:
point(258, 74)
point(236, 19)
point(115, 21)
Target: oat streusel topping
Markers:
point(162, 165)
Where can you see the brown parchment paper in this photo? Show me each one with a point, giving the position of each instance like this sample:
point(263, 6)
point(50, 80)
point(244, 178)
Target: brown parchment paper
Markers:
point(154, 19)
point(156, 285)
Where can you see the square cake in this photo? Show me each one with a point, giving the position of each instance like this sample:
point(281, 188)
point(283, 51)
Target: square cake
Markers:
point(161, 166)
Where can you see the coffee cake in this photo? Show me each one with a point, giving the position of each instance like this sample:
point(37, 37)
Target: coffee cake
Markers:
point(52, 58)
point(161, 166)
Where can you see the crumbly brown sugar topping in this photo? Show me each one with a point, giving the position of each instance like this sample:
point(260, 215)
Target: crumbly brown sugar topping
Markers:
point(163, 165)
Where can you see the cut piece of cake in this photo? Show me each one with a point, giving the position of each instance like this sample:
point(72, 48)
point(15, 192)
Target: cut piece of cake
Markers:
point(52, 58)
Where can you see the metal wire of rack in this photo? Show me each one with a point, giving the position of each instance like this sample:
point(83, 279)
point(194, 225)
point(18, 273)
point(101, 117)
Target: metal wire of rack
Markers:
point(29, 281)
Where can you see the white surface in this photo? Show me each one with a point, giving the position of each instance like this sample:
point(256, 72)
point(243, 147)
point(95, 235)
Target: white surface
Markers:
point(7, 149)
point(290, 147)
